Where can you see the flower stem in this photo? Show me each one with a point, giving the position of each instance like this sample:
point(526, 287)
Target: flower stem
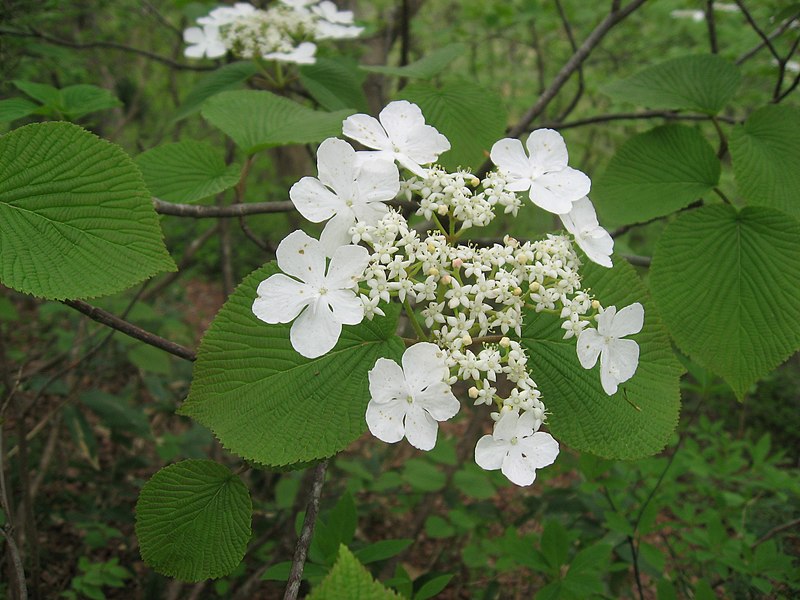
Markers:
point(414, 323)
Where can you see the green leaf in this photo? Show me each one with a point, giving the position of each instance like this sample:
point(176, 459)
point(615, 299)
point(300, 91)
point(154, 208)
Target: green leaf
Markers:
point(432, 587)
point(726, 285)
point(349, 580)
point(45, 94)
point(267, 403)
point(15, 108)
point(583, 415)
point(382, 550)
point(766, 158)
point(257, 120)
point(471, 117)
point(225, 78)
point(76, 219)
point(704, 82)
point(656, 173)
point(555, 544)
point(186, 171)
point(116, 413)
point(82, 435)
point(193, 520)
point(426, 67)
point(335, 84)
point(79, 100)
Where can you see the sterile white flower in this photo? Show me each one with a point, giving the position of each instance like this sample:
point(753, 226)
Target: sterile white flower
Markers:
point(224, 15)
point(334, 23)
point(399, 133)
point(516, 448)
point(346, 191)
point(595, 241)
point(553, 185)
point(323, 300)
point(618, 358)
point(303, 54)
point(203, 42)
point(408, 401)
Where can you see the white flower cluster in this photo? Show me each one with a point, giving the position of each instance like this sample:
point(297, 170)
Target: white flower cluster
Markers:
point(284, 32)
point(465, 303)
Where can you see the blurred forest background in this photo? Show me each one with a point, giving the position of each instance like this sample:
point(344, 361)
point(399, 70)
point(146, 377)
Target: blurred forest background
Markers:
point(714, 516)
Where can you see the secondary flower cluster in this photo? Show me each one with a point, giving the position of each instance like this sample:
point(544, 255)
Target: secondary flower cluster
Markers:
point(465, 303)
point(284, 32)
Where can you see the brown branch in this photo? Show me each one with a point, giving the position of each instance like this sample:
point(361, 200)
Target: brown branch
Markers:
point(306, 534)
point(712, 27)
point(220, 212)
point(573, 64)
point(765, 39)
point(775, 531)
point(633, 116)
point(109, 45)
point(574, 46)
point(8, 529)
point(106, 318)
point(777, 32)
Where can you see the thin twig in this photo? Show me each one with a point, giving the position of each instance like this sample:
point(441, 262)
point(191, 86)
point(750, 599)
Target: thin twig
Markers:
point(775, 531)
point(633, 116)
point(777, 32)
point(220, 212)
point(712, 27)
point(106, 318)
point(109, 45)
point(765, 39)
point(574, 46)
point(306, 534)
point(8, 529)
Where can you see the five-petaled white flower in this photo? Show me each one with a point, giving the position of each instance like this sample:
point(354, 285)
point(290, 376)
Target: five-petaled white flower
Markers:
point(553, 185)
point(346, 191)
point(408, 402)
point(401, 135)
point(516, 448)
point(203, 42)
point(595, 241)
point(329, 299)
point(618, 358)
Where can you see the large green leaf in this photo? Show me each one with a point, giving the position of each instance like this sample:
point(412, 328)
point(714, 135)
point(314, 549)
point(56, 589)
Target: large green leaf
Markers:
point(726, 285)
point(335, 84)
point(471, 117)
point(426, 67)
point(193, 520)
point(72, 102)
point(225, 78)
point(258, 120)
point(766, 158)
point(76, 219)
point(656, 173)
point(350, 580)
point(704, 83)
point(186, 171)
point(266, 402)
point(631, 424)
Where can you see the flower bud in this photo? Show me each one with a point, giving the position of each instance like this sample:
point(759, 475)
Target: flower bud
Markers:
point(466, 339)
point(442, 210)
point(595, 304)
point(473, 392)
point(457, 263)
point(433, 272)
point(505, 342)
point(446, 279)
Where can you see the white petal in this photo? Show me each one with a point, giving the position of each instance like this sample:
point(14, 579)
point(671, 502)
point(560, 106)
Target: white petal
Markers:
point(582, 216)
point(628, 321)
point(399, 117)
point(618, 363)
point(215, 49)
point(421, 428)
point(194, 51)
point(526, 424)
point(509, 156)
point(506, 427)
point(378, 180)
point(489, 453)
point(366, 130)
point(517, 468)
point(387, 383)
point(347, 265)
point(371, 212)
point(301, 256)
point(385, 421)
point(410, 164)
point(555, 192)
point(605, 320)
point(590, 343)
point(540, 449)
point(281, 298)
point(336, 232)
point(336, 163)
point(346, 306)
point(424, 144)
point(439, 400)
point(316, 331)
point(194, 35)
point(423, 365)
point(547, 150)
point(598, 247)
point(314, 201)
